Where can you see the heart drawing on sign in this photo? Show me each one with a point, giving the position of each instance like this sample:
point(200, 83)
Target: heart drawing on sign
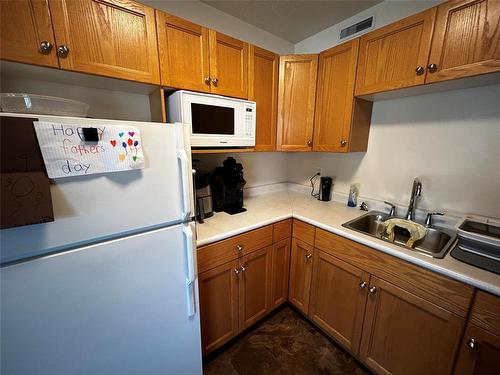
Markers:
point(131, 133)
point(121, 134)
point(121, 157)
point(113, 142)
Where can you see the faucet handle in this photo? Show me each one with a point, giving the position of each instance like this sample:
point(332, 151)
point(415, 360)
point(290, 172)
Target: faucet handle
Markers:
point(393, 208)
point(428, 220)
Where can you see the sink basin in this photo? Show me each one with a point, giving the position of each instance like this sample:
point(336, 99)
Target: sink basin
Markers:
point(436, 242)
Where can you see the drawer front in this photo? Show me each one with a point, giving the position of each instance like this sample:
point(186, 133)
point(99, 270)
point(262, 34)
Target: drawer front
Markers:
point(303, 231)
point(218, 253)
point(486, 312)
point(282, 230)
point(442, 291)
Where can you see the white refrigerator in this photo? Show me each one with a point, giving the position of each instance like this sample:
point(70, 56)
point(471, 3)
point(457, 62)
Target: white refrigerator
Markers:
point(109, 287)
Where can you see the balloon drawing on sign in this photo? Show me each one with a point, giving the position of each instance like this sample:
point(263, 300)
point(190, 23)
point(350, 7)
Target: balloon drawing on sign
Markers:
point(121, 157)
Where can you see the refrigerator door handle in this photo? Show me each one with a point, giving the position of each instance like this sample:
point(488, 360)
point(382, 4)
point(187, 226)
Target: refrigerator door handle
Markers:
point(186, 187)
point(191, 273)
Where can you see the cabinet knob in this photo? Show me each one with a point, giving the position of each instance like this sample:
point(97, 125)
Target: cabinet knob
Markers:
point(432, 68)
point(363, 285)
point(62, 51)
point(239, 247)
point(473, 344)
point(420, 70)
point(207, 80)
point(309, 256)
point(343, 143)
point(243, 267)
point(45, 47)
point(309, 142)
point(236, 271)
point(215, 81)
point(372, 290)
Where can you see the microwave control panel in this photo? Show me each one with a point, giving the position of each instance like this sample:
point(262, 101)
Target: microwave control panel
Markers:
point(249, 120)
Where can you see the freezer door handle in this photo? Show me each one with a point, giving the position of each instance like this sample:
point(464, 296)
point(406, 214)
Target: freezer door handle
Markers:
point(191, 307)
point(191, 272)
point(186, 188)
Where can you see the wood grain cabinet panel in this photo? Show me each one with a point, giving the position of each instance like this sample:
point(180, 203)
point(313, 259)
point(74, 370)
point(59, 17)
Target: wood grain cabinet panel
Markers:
point(300, 274)
point(255, 286)
point(342, 122)
point(263, 89)
point(115, 38)
point(405, 334)
point(219, 305)
point(280, 272)
point(338, 296)
point(184, 53)
point(282, 230)
point(466, 39)
point(389, 56)
point(296, 102)
point(24, 26)
point(228, 65)
point(304, 232)
point(479, 352)
point(486, 312)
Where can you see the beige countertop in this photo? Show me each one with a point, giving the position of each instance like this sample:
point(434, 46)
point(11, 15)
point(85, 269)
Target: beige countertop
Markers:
point(269, 208)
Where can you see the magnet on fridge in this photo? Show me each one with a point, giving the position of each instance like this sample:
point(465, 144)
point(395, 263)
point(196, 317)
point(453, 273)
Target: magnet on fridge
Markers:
point(90, 135)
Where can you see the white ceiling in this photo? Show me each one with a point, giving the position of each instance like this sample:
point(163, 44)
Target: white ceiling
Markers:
point(292, 20)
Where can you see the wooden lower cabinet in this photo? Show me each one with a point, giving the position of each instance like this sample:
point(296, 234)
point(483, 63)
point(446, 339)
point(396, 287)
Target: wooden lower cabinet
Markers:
point(219, 305)
point(280, 272)
point(300, 274)
point(255, 286)
point(479, 352)
point(338, 297)
point(405, 334)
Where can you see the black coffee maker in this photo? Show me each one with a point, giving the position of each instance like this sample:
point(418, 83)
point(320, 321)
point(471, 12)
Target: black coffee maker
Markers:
point(228, 187)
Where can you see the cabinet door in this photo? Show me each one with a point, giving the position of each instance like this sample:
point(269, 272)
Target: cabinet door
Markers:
point(338, 296)
point(479, 353)
point(228, 65)
point(405, 334)
point(183, 50)
point(219, 305)
point(466, 40)
point(296, 101)
point(300, 274)
point(263, 89)
point(255, 286)
point(25, 26)
point(115, 38)
point(395, 56)
point(335, 97)
point(280, 272)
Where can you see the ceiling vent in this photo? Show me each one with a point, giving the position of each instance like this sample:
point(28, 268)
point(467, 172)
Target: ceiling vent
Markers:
point(355, 29)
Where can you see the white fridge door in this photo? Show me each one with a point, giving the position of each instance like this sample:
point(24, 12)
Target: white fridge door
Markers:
point(96, 207)
point(121, 307)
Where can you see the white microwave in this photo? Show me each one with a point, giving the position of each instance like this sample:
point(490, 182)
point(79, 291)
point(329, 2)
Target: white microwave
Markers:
point(216, 121)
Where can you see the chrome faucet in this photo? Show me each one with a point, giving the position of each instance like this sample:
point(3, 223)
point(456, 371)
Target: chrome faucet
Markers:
point(415, 191)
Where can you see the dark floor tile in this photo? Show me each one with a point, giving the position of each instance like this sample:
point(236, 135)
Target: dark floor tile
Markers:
point(284, 344)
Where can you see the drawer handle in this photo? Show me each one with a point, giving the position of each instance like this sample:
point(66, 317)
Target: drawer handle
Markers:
point(239, 247)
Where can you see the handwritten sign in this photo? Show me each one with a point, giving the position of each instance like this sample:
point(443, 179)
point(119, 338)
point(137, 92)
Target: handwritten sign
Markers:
point(66, 153)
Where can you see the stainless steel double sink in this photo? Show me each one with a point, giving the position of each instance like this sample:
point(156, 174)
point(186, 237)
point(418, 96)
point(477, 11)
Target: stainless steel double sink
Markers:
point(436, 242)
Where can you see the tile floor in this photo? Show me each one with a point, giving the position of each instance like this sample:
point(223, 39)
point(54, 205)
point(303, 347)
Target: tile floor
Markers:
point(285, 343)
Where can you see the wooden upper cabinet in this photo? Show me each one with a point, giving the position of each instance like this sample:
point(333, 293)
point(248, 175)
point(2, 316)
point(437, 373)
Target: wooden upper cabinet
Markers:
point(342, 122)
point(184, 53)
point(300, 274)
point(296, 101)
point(406, 334)
point(228, 65)
point(26, 32)
point(255, 286)
point(115, 38)
point(479, 352)
point(219, 305)
point(395, 56)
point(466, 40)
point(338, 296)
point(263, 89)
